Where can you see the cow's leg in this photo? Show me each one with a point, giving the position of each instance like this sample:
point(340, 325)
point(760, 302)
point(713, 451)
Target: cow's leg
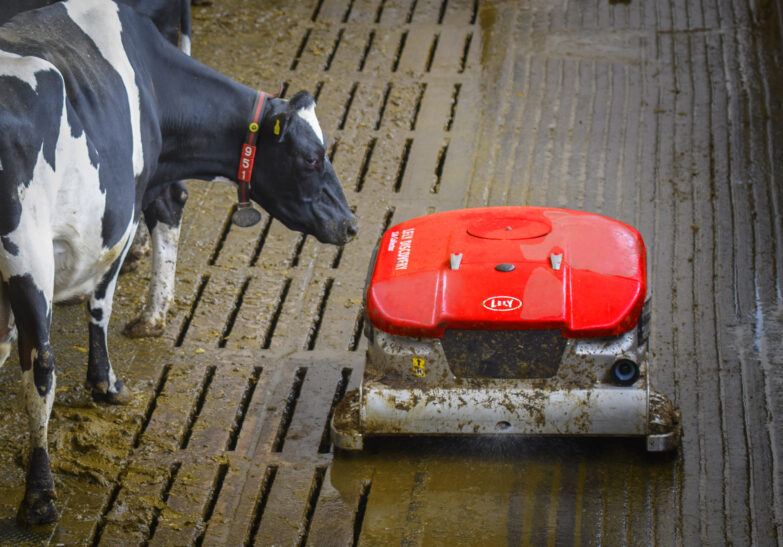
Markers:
point(32, 305)
point(106, 388)
point(139, 249)
point(163, 217)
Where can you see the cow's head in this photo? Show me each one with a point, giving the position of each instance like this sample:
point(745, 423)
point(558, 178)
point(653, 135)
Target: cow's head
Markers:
point(293, 179)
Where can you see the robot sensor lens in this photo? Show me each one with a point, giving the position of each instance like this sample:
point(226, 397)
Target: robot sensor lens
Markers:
point(624, 372)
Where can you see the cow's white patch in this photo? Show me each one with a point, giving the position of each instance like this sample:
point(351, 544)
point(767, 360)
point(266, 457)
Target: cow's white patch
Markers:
point(111, 255)
point(184, 44)
point(24, 68)
point(33, 234)
point(105, 305)
point(38, 408)
point(308, 115)
point(101, 22)
point(60, 228)
point(164, 266)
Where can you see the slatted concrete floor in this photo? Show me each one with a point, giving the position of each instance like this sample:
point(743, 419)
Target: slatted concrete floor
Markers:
point(662, 114)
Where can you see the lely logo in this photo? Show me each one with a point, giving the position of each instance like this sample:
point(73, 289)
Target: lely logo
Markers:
point(502, 303)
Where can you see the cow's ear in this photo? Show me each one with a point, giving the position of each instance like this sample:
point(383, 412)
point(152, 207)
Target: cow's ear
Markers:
point(278, 126)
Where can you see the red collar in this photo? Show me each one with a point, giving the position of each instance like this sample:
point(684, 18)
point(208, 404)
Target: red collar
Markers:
point(245, 215)
point(248, 154)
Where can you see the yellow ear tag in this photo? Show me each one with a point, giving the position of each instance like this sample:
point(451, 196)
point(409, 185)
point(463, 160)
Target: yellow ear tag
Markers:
point(253, 127)
point(277, 127)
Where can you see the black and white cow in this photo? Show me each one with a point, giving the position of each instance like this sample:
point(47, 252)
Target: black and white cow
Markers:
point(98, 112)
point(172, 17)
point(162, 213)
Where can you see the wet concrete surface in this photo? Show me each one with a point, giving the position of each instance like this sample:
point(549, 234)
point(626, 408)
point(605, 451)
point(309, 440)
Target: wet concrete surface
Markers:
point(662, 114)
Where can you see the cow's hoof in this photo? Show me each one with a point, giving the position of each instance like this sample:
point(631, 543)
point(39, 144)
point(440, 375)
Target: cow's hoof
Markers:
point(37, 508)
point(122, 396)
point(140, 328)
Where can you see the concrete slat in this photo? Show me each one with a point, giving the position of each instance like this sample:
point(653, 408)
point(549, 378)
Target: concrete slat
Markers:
point(383, 51)
point(210, 317)
point(180, 521)
point(75, 499)
point(434, 111)
point(427, 12)
point(352, 46)
point(316, 255)
point(365, 108)
point(316, 53)
point(242, 491)
point(530, 80)
point(309, 420)
point(279, 247)
point(340, 317)
point(451, 48)
point(167, 424)
point(419, 178)
point(256, 316)
point(484, 489)
point(217, 418)
point(137, 504)
point(265, 410)
point(283, 521)
point(364, 11)
point(560, 186)
point(384, 165)
point(240, 244)
point(334, 521)
point(206, 212)
point(349, 160)
point(415, 54)
point(458, 12)
point(395, 13)
point(300, 319)
point(389, 504)
point(332, 11)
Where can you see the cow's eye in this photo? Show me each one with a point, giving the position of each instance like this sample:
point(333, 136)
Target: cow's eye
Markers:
point(315, 163)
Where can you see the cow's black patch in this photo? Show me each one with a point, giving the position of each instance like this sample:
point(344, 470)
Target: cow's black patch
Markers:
point(96, 92)
point(9, 8)
point(98, 362)
point(98, 359)
point(29, 124)
point(33, 318)
point(32, 114)
point(9, 246)
point(10, 207)
point(167, 206)
point(96, 313)
point(302, 99)
point(38, 475)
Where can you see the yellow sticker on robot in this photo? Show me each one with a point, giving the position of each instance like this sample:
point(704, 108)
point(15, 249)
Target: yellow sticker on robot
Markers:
point(277, 127)
point(419, 367)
